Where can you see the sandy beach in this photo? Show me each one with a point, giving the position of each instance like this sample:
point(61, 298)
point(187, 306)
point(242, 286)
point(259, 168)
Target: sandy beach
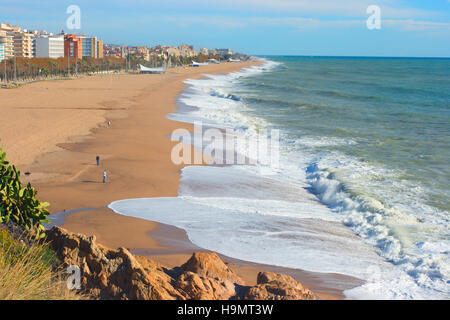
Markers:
point(55, 129)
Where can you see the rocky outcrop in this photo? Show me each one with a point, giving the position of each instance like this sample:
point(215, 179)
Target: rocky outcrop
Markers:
point(199, 287)
point(117, 274)
point(206, 277)
point(274, 286)
point(208, 264)
point(111, 274)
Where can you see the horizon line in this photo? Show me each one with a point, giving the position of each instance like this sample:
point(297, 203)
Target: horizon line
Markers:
point(345, 56)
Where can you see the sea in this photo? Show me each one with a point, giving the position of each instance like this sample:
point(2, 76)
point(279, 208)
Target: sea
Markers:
point(361, 185)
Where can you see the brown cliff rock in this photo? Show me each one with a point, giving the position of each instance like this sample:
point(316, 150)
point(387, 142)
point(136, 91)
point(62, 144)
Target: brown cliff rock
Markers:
point(208, 264)
point(274, 286)
point(204, 288)
point(111, 274)
point(117, 274)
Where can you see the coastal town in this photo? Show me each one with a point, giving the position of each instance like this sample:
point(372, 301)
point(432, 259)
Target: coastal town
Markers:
point(28, 54)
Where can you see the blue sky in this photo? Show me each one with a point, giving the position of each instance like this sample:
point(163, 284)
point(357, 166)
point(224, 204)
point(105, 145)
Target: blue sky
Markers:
point(262, 27)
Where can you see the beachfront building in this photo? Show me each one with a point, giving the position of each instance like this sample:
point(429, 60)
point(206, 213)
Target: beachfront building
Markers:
point(224, 52)
point(157, 53)
point(48, 46)
point(99, 49)
point(171, 52)
point(2, 52)
point(204, 51)
point(132, 50)
point(125, 50)
point(73, 46)
point(7, 38)
point(89, 46)
point(23, 44)
point(186, 51)
point(143, 52)
point(111, 50)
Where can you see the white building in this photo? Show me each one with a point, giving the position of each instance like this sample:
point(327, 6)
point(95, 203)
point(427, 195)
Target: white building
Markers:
point(50, 47)
point(204, 51)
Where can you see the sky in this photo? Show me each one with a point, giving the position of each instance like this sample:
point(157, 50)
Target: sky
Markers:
point(411, 28)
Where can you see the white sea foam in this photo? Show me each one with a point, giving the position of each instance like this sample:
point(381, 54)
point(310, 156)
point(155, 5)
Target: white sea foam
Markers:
point(306, 141)
point(258, 219)
point(422, 268)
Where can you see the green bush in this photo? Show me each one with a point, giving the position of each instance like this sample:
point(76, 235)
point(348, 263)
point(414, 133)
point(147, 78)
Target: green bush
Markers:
point(18, 203)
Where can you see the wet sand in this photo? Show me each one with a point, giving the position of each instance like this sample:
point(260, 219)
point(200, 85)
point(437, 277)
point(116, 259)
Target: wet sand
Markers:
point(55, 129)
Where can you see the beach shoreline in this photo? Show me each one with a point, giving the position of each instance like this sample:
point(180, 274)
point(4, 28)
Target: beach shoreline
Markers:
point(65, 173)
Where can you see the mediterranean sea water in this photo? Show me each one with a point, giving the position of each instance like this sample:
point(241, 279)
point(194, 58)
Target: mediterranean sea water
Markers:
point(363, 183)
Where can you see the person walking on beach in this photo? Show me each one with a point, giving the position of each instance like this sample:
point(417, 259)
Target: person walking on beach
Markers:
point(98, 160)
point(104, 176)
point(109, 123)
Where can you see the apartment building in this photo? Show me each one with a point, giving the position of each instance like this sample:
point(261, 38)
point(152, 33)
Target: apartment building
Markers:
point(100, 49)
point(172, 52)
point(110, 50)
point(186, 51)
point(23, 44)
point(50, 46)
point(144, 52)
point(73, 46)
point(224, 52)
point(204, 51)
point(2, 52)
point(7, 38)
point(89, 46)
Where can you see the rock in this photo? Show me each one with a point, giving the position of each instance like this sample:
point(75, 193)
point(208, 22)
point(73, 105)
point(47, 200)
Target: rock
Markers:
point(274, 286)
point(117, 274)
point(208, 264)
point(207, 277)
point(111, 274)
point(203, 288)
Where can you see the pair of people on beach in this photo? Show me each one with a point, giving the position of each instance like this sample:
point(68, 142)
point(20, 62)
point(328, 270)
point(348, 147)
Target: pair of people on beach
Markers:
point(104, 171)
point(98, 158)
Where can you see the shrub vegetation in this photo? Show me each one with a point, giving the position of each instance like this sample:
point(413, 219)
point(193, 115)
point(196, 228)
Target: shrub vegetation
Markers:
point(26, 272)
point(18, 203)
point(28, 267)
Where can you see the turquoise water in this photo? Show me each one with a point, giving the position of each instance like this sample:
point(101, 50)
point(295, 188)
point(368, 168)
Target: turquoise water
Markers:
point(373, 135)
point(394, 114)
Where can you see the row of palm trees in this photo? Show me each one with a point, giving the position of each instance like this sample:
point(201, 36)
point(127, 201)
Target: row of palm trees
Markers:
point(22, 69)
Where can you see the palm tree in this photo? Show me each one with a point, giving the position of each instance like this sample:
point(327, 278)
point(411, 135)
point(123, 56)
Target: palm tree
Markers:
point(52, 65)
